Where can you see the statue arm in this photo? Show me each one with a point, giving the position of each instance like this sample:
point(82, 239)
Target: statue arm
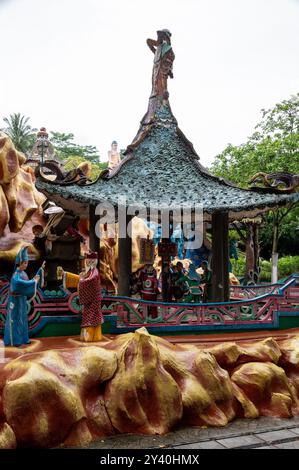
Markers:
point(152, 44)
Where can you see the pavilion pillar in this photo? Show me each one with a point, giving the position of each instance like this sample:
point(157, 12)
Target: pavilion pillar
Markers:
point(92, 224)
point(124, 261)
point(220, 257)
point(94, 241)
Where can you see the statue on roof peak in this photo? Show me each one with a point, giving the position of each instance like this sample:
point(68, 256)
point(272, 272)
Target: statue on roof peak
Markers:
point(162, 69)
point(163, 61)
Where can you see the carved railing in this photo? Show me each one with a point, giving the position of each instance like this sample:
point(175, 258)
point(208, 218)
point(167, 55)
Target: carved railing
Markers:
point(243, 292)
point(252, 291)
point(260, 310)
point(63, 306)
point(134, 313)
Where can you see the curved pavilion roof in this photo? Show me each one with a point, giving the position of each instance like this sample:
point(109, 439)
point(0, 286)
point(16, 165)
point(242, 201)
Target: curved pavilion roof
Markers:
point(161, 168)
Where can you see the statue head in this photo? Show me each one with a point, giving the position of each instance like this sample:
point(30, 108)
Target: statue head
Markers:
point(114, 145)
point(22, 259)
point(91, 260)
point(164, 35)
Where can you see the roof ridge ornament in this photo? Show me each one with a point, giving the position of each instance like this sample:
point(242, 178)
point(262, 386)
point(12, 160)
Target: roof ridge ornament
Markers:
point(162, 69)
point(279, 182)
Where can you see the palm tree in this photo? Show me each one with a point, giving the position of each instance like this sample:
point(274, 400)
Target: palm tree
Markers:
point(20, 132)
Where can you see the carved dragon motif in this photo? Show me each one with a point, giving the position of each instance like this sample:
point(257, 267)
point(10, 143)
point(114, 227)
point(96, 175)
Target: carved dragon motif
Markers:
point(76, 176)
point(280, 182)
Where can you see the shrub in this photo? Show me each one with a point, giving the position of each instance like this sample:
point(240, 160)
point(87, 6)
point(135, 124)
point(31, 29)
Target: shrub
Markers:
point(288, 265)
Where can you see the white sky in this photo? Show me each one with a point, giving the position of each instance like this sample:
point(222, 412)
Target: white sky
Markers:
point(84, 67)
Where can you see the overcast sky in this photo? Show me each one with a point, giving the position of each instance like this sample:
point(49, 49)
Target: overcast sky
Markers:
point(84, 67)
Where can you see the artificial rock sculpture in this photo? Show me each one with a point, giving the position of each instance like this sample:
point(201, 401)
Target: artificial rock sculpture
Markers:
point(143, 384)
point(18, 195)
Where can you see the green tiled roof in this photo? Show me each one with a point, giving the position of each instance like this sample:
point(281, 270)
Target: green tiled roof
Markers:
point(162, 168)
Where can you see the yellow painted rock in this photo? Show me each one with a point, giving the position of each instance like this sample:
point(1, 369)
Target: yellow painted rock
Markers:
point(266, 386)
point(4, 211)
point(44, 396)
point(142, 397)
point(9, 159)
point(290, 352)
point(140, 383)
point(7, 437)
point(20, 198)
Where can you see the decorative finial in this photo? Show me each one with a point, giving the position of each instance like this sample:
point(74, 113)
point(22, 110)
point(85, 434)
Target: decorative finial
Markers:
point(164, 57)
point(43, 133)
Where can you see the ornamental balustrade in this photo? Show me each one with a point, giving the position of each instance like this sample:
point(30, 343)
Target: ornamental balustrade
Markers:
point(63, 306)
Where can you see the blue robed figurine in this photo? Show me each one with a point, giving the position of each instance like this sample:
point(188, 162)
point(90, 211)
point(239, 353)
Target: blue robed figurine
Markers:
point(16, 330)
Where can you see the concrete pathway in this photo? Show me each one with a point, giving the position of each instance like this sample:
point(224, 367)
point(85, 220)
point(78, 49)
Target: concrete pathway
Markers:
point(261, 433)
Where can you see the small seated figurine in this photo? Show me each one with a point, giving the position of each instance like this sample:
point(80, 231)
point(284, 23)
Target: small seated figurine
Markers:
point(16, 331)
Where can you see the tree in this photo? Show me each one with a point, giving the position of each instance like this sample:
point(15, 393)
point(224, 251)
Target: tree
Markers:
point(20, 132)
point(273, 147)
point(66, 147)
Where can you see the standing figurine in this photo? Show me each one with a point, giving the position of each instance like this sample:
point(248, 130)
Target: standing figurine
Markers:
point(164, 57)
point(180, 284)
point(206, 281)
point(195, 291)
point(16, 330)
point(90, 297)
point(166, 282)
point(149, 288)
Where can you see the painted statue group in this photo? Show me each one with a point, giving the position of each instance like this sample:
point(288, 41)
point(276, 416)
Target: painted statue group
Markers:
point(22, 289)
point(179, 284)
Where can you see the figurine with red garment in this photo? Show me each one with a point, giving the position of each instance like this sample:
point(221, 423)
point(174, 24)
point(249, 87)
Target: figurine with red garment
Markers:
point(21, 288)
point(149, 288)
point(88, 284)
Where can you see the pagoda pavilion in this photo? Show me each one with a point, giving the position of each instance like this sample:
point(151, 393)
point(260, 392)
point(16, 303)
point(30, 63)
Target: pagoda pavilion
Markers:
point(162, 169)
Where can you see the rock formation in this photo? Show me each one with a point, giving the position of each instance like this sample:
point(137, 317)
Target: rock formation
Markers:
point(20, 202)
point(140, 383)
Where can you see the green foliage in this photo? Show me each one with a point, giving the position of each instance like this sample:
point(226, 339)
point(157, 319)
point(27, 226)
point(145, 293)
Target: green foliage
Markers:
point(73, 161)
point(288, 234)
point(286, 265)
point(273, 147)
point(20, 132)
point(238, 265)
point(66, 147)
